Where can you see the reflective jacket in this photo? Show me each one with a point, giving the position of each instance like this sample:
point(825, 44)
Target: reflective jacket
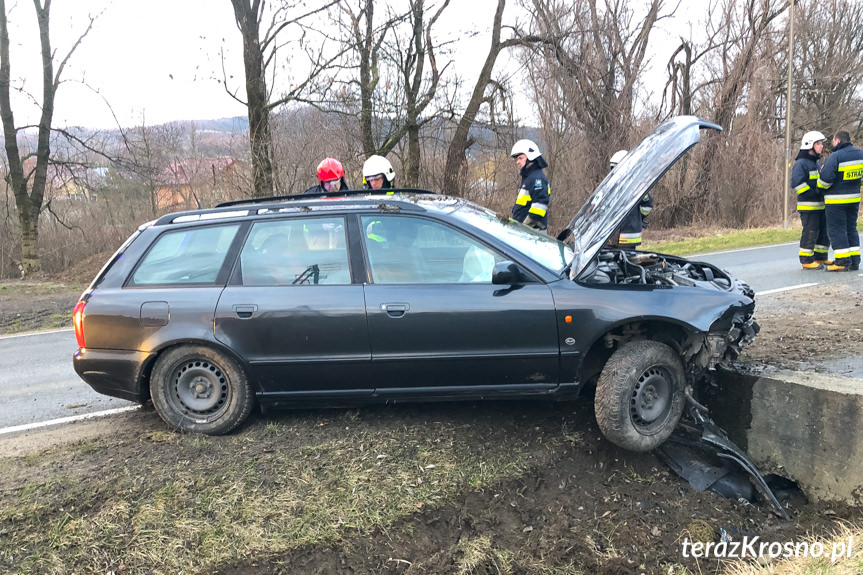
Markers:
point(841, 175)
point(804, 181)
point(534, 195)
point(630, 229)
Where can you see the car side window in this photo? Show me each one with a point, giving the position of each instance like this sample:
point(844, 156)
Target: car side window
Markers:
point(299, 251)
point(189, 256)
point(409, 250)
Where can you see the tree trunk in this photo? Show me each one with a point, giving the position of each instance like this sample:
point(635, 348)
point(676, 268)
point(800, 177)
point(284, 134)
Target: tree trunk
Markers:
point(455, 157)
point(412, 163)
point(256, 96)
point(29, 202)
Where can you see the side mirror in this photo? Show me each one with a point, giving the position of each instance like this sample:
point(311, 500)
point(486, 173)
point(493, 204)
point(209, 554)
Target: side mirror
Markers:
point(506, 273)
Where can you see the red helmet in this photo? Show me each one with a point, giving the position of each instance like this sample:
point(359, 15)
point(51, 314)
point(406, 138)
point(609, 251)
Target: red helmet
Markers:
point(330, 169)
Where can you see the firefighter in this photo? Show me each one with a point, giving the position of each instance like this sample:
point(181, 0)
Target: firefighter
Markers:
point(840, 178)
point(331, 177)
point(378, 174)
point(534, 195)
point(814, 242)
point(630, 229)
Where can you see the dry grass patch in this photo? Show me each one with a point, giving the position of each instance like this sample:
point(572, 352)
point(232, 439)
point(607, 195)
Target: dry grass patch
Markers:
point(188, 503)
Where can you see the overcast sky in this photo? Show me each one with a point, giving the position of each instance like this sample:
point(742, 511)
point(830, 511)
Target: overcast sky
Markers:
point(155, 61)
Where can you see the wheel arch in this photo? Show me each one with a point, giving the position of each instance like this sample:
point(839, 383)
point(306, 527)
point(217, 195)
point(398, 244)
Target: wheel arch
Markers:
point(675, 334)
point(147, 368)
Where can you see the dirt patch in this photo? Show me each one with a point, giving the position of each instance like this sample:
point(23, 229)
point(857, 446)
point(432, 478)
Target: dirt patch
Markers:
point(803, 327)
point(138, 498)
point(30, 306)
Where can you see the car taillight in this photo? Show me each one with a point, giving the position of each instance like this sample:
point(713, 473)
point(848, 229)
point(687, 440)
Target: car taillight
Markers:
point(78, 322)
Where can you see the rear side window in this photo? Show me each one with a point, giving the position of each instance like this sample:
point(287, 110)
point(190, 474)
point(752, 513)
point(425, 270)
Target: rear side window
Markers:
point(190, 256)
point(300, 251)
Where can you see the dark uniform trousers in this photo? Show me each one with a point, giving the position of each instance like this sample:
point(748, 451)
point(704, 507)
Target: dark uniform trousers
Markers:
point(814, 241)
point(842, 229)
point(840, 178)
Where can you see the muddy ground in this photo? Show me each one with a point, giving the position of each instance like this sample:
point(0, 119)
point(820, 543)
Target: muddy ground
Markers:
point(587, 507)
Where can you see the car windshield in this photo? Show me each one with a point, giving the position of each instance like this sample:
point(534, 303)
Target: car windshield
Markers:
point(545, 250)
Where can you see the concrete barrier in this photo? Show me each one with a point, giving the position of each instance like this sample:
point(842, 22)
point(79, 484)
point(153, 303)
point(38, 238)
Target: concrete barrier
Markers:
point(806, 427)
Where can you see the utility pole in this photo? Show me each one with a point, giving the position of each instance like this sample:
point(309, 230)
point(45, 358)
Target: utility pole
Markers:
point(788, 114)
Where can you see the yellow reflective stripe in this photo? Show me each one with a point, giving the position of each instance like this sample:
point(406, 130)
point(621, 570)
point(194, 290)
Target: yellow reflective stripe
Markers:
point(630, 238)
point(523, 198)
point(821, 249)
point(809, 206)
point(802, 188)
point(823, 185)
point(538, 209)
point(803, 252)
point(842, 198)
point(852, 170)
point(645, 211)
point(813, 175)
point(844, 252)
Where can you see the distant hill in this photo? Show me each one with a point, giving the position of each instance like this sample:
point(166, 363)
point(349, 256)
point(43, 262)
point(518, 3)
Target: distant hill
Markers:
point(235, 125)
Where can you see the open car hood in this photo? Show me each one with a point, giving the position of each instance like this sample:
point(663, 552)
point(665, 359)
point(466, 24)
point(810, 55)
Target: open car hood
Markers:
point(622, 189)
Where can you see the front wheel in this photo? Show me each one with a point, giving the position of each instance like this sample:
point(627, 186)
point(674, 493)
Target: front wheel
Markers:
point(196, 388)
point(639, 395)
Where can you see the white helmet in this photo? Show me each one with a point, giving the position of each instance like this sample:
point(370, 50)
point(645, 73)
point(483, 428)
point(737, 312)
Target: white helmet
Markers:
point(526, 147)
point(809, 139)
point(617, 157)
point(378, 165)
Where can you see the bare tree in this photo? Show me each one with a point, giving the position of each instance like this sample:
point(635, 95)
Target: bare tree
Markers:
point(29, 186)
point(261, 54)
point(828, 70)
point(461, 139)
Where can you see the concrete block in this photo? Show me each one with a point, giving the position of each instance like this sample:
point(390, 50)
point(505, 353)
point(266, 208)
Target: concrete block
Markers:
point(803, 426)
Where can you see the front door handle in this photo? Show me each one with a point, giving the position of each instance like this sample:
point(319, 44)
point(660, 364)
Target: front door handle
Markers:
point(245, 311)
point(395, 309)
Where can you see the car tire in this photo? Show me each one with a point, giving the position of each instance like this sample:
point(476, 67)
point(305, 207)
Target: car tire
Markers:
point(639, 396)
point(196, 388)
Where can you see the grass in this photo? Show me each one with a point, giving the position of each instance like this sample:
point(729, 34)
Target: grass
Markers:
point(849, 563)
point(187, 503)
point(726, 240)
point(681, 245)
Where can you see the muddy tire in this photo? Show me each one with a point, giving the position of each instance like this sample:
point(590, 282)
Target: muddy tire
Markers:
point(639, 395)
point(196, 388)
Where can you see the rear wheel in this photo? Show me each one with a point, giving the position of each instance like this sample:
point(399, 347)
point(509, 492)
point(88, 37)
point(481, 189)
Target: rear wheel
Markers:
point(639, 395)
point(196, 388)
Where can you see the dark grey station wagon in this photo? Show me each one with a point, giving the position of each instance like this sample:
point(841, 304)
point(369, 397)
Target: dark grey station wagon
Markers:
point(361, 298)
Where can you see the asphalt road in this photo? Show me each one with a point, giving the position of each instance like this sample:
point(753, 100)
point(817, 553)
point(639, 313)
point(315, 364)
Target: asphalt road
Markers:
point(772, 268)
point(38, 384)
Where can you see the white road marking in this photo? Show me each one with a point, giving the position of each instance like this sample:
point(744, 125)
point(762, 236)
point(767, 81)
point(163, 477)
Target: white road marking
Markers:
point(70, 419)
point(788, 288)
point(36, 333)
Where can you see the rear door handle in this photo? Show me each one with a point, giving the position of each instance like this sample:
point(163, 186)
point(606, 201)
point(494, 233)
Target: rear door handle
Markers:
point(395, 309)
point(245, 311)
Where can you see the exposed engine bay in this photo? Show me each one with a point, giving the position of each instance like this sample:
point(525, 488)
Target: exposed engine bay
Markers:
point(622, 267)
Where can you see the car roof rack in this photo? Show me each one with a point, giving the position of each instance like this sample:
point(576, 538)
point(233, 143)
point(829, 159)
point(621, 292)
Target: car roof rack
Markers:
point(323, 195)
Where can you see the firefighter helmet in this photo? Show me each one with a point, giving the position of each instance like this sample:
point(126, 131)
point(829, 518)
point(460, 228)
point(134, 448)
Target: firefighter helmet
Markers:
point(378, 165)
point(617, 157)
point(526, 147)
point(330, 169)
point(810, 139)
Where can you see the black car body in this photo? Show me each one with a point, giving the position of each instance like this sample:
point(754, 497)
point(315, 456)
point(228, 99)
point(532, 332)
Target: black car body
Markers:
point(404, 297)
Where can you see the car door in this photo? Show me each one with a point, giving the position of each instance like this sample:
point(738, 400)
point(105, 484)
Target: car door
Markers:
point(292, 312)
point(435, 319)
